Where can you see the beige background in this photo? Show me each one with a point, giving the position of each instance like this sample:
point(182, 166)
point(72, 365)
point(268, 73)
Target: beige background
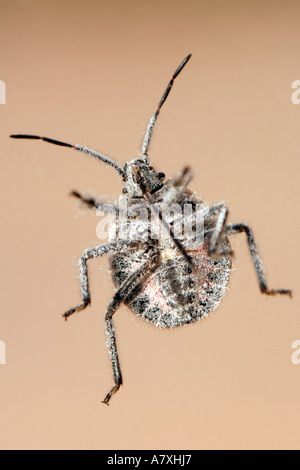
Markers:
point(92, 72)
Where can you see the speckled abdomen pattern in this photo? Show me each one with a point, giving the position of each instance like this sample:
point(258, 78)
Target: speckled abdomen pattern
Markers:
point(174, 295)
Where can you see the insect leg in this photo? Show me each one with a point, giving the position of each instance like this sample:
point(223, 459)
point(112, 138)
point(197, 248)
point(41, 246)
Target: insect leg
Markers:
point(222, 212)
point(125, 292)
point(233, 229)
point(83, 270)
point(95, 204)
point(177, 187)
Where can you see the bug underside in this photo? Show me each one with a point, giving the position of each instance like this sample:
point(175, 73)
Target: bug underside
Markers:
point(174, 295)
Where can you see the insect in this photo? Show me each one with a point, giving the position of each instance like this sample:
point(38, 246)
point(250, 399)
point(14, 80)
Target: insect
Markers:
point(163, 279)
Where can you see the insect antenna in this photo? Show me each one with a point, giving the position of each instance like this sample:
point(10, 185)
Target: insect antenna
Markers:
point(90, 152)
point(153, 119)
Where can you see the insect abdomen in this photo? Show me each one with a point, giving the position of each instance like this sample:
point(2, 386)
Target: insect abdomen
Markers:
point(173, 295)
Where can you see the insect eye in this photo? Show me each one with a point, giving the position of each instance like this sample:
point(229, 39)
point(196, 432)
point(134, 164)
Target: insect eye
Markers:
point(157, 188)
point(161, 175)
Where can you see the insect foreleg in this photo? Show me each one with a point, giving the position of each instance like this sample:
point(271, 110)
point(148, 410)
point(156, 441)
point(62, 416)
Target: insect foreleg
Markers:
point(93, 203)
point(100, 250)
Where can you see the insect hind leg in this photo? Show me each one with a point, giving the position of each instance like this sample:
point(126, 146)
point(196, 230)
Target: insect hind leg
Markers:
point(233, 229)
point(122, 294)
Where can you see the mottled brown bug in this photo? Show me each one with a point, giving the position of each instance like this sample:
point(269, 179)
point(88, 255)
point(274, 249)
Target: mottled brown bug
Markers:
point(164, 280)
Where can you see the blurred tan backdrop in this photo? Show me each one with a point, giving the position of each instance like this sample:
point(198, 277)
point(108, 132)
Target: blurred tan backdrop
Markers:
point(92, 72)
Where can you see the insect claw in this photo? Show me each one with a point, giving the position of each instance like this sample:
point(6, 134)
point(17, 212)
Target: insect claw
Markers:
point(279, 291)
